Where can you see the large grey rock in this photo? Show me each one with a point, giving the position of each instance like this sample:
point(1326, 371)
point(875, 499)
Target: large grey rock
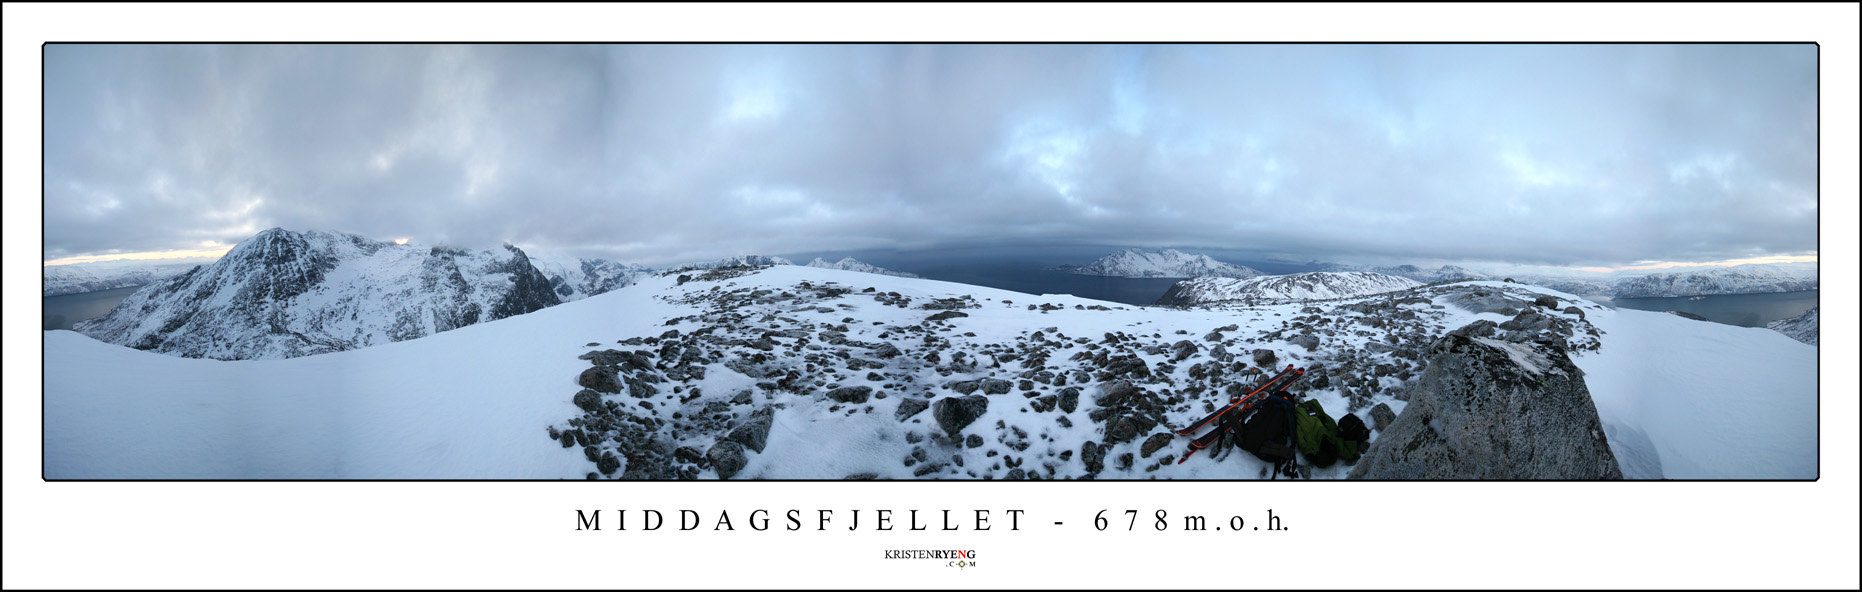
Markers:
point(1492, 409)
point(753, 433)
point(954, 413)
point(1381, 416)
point(727, 457)
point(1069, 399)
point(1308, 341)
point(850, 394)
point(910, 406)
point(604, 379)
point(1265, 358)
point(1094, 456)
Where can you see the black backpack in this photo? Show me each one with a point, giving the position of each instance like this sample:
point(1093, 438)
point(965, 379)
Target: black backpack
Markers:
point(1268, 433)
point(1353, 429)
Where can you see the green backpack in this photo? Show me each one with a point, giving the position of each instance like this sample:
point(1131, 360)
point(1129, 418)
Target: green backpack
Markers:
point(1317, 436)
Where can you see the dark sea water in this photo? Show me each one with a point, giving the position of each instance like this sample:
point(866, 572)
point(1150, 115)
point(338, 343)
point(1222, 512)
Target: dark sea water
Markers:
point(61, 312)
point(1034, 278)
point(1744, 310)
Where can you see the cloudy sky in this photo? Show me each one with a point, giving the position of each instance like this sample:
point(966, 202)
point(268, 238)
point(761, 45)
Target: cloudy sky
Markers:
point(1568, 155)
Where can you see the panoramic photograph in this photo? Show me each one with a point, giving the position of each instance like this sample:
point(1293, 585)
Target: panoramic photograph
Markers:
point(829, 262)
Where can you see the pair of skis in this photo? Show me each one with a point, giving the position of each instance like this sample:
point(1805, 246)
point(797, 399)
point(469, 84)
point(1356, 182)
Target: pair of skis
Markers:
point(1240, 406)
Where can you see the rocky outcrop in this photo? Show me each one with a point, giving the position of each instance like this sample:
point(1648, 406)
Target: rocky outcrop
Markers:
point(1801, 327)
point(1492, 409)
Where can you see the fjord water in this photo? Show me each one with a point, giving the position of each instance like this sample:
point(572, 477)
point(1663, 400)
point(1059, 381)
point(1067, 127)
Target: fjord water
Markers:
point(61, 312)
point(1744, 310)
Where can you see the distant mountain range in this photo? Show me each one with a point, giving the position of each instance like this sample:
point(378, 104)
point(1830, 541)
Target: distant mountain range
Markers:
point(1316, 285)
point(77, 279)
point(1443, 273)
point(1168, 263)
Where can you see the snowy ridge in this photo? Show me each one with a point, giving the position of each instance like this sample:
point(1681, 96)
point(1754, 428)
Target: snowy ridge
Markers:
point(851, 264)
point(282, 294)
point(78, 279)
point(1316, 285)
point(1801, 327)
point(1443, 273)
point(1742, 279)
point(1168, 263)
point(740, 261)
point(575, 279)
point(792, 372)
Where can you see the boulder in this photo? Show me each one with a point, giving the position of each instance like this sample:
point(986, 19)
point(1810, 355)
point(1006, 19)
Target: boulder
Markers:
point(753, 433)
point(1154, 443)
point(1069, 399)
point(996, 386)
point(1308, 341)
point(1381, 416)
point(1265, 358)
point(604, 379)
point(1118, 393)
point(955, 413)
point(910, 406)
point(1492, 409)
point(588, 400)
point(850, 394)
point(728, 458)
point(1094, 456)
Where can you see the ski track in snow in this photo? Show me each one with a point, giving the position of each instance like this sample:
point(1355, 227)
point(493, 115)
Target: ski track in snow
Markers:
point(1717, 401)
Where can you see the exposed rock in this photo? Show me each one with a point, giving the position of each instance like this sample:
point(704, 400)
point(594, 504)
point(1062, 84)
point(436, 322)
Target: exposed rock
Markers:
point(947, 315)
point(1094, 456)
point(753, 433)
point(850, 394)
point(727, 457)
point(994, 386)
point(588, 400)
point(1069, 399)
point(1117, 393)
point(1154, 443)
point(1492, 409)
point(954, 413)
point(1308, 341)
point(910, 406)
point(1265, 358)
point(1127, 427)
point(604, 379)
point(1381, 416)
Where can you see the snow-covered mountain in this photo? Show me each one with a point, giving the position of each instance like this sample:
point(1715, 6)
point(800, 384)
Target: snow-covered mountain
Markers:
point(78, 279)
point(283, 294)
point(1742, 279)
point(851, 264)
point(1801, 327)
point(575, 279)
point(928, 380)
point(1443, 273)
point(1315, 285)
point(740, 261)
point(1581, 287)
point(1168, 263)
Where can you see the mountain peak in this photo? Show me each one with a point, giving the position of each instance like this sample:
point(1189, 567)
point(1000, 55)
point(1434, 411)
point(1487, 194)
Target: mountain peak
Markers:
point(1134, 262)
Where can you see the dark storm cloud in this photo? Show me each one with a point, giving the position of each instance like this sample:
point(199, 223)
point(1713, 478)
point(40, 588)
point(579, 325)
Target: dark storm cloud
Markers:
point(1581, 154)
